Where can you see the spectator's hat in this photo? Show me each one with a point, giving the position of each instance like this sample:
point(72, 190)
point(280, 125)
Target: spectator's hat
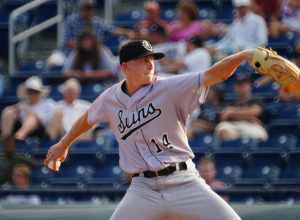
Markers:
point(137, 49)
point(32, 84)
point(87, 3)
point(240, 3)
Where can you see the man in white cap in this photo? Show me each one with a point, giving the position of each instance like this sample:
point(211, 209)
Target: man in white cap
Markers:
point(68, 110)
point(31, 116)
point(248, 30)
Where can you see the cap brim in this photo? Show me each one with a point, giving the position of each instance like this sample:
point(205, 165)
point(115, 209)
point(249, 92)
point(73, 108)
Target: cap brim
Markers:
point(156, 55)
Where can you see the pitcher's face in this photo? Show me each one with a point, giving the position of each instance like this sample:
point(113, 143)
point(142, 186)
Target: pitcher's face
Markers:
point(141, 70)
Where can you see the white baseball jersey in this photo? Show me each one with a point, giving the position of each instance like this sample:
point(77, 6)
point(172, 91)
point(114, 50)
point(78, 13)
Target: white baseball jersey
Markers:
point(150, 125)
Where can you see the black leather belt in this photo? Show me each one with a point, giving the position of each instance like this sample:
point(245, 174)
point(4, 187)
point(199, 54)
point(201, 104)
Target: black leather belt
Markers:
point(163, 172)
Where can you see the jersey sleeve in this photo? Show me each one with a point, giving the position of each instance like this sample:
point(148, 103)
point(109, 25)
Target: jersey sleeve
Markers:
point(186, 92)
point(97, 111)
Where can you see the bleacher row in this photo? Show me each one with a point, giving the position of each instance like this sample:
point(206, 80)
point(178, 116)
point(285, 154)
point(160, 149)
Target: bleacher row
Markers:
point(241, 163)
point(214, 10)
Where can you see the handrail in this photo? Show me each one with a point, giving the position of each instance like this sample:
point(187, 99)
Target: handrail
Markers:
point(13, 39)
point(108, 11)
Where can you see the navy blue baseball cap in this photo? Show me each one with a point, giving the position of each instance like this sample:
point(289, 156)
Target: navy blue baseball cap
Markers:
point(138, 49)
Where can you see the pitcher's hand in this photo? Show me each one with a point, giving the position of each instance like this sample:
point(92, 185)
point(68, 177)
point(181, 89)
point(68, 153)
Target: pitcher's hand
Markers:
point(56, 152)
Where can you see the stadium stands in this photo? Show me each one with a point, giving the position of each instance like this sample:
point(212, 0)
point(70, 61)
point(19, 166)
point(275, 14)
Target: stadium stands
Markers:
point(243, 164)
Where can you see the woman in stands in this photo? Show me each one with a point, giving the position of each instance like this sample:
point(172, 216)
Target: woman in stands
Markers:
point(187, 25)
point(90, 59)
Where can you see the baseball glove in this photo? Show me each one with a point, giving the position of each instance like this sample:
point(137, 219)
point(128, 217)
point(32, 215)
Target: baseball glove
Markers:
point(268, 62)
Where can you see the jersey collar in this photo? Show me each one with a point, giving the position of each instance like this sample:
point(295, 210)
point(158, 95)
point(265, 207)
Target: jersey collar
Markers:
point(140, 94)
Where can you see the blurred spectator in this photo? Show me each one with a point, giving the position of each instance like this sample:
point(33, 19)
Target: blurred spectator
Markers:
point(196, 59)
point(187, 25)
point(152, 12)
point(152, 17)
point(21, 180)
point(207, 116)
point(270, 9)
point(290, 19)
point(21, 176)
point(244, 117)
point(90, 59)
point(248, 30)
point(68, 110)
point(83, 21)
point(158, 36)
point(31, 116)
point(207, 170)
point(9, 159)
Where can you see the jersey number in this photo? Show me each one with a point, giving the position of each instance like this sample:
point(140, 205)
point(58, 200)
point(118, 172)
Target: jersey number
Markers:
point(165, 142)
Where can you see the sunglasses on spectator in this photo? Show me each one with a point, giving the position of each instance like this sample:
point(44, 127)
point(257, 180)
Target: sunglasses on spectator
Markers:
point(32, 92)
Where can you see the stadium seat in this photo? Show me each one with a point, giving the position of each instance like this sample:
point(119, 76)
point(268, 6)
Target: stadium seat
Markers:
point(109, 169)
point(283, 44)
point(41, 175)
point(86, 146)
point(239, 144)
point(292, 169)
point(264, 165)
point(229, 165)
point(202, 141)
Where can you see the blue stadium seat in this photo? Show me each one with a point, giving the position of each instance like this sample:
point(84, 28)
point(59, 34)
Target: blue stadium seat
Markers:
point(268, 91)
point(229, 165)
point(286, 183)
point(109, 169)
point(264, 165)
point(202, 141)
point(285, 110)
point(239, 144)
point(72, 182)
point(86, 146)
point(108, 143)
point(280, 141)
point(283, 44)
point(41, 175)
point(102, 182)
point(249, 183)
point(129, 19)
point(292, 170)
point(169, 14)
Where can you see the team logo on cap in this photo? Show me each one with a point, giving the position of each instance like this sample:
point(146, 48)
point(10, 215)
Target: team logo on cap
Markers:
point(147, 45)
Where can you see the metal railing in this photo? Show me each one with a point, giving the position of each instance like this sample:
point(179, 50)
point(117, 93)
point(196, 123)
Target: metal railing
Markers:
point(13, 39)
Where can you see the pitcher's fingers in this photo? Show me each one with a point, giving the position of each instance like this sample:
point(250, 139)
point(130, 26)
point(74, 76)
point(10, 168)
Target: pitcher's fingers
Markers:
point(49, 158)
point(55, 166)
